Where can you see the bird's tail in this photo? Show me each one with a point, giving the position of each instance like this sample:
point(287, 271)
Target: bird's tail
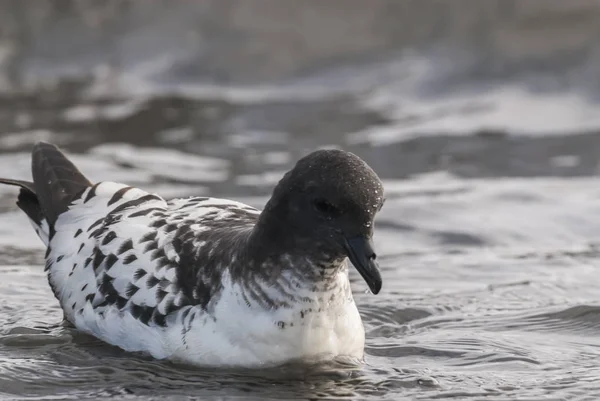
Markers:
point(29, 203)
point(56, 183)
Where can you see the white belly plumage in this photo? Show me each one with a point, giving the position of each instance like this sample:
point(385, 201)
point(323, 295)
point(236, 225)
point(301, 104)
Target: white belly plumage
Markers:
point(235, 334)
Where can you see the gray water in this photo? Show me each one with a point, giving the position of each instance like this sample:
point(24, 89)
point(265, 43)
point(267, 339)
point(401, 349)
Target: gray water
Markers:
point(481, 117)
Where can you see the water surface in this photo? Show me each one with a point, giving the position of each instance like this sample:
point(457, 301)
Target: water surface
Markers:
point(488, 148)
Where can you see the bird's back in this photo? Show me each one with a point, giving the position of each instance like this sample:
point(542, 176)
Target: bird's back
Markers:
point(121, 246)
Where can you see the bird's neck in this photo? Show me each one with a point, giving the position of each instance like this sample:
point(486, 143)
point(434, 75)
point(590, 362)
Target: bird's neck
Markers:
point(274, 242)
point(292, 281)
point(285, 262)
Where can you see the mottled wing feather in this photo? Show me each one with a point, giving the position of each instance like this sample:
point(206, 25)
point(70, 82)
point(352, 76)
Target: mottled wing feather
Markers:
point(121, 248)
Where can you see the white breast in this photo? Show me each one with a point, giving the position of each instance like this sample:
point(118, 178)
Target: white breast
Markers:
point(236, 334)
point(248, 336)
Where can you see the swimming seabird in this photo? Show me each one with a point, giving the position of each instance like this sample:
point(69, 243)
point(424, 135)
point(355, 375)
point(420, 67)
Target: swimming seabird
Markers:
point(208, 281)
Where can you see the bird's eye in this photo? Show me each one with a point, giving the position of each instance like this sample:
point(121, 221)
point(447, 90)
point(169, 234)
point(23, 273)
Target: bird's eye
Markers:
point(325, 207)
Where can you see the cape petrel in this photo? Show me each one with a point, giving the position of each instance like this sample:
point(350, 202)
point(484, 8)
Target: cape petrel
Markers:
point(208, 281)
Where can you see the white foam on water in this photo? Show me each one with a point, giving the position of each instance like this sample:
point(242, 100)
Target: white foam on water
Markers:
point(14, 140)
point(132, 83)
point(81, 113)
point(16, 231)
point(16, 165)
point(114, 111)
point(277, 158)
point(508, 108)
point(268, 178)
point(173, 163)
point(247, 137)
point(175, 135)
point(520, 214)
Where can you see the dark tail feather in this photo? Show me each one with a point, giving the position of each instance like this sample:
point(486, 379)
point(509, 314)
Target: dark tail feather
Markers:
point(57, 182)
point(27, 185)
point(28, 200)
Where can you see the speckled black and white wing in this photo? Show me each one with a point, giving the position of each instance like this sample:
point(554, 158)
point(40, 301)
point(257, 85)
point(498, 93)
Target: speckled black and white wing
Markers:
point(123, 259)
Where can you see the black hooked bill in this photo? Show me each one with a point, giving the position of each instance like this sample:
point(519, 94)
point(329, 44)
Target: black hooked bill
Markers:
point(361, 254)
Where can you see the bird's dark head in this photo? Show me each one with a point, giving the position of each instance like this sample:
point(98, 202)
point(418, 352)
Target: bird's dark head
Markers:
point(325, 207)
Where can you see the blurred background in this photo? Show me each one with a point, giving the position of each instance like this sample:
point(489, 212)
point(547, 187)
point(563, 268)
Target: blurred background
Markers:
point(482, 117)
point(476, 88)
